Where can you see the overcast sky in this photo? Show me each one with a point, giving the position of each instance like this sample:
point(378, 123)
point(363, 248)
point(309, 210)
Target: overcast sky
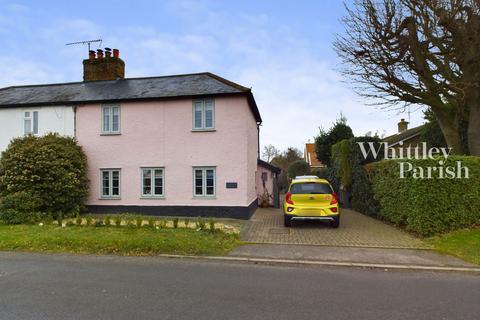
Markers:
point(281, 49)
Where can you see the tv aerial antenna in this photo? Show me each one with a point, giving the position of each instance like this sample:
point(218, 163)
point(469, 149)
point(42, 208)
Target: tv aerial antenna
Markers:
point(86, 43)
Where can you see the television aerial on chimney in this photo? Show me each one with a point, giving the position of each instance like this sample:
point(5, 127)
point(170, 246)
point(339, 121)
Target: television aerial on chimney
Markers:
point(86, 42)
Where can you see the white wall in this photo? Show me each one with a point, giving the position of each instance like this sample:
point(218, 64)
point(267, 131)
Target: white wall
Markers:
point(58, 119)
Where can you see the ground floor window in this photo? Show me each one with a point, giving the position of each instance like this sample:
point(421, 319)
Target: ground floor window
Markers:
point(152, 182)
point(110, 183)
point(204, 181)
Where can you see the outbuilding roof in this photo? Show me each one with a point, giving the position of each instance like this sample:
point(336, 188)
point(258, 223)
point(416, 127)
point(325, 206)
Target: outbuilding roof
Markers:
point(130, 89)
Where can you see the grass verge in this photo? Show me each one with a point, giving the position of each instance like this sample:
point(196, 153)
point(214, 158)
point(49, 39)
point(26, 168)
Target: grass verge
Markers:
point(113, 240)
point(464, 244)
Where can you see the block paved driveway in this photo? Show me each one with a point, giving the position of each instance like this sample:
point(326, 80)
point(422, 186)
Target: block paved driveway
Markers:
point(356, 230)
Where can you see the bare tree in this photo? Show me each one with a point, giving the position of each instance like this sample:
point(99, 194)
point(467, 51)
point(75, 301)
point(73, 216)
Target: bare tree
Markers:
point(269, 152)
point(425, 52)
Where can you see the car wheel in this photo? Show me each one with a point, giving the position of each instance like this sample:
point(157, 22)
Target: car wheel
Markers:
point(336, 222)
point(287, 221)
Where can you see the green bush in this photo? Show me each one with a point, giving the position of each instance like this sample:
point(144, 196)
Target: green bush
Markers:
point(51, 168)
point(298, 168)
point(20, 207)
point(428, 206)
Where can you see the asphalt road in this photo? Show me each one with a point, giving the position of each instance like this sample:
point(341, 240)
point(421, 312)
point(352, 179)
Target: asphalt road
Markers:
point(63, 287)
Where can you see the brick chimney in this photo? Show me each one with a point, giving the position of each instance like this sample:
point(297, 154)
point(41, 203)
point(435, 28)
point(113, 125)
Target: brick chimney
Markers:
point(100, 67)
point(402, 126)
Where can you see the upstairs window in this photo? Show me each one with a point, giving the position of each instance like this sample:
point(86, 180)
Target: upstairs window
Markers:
point(110, 119)
point(204, 182)
point(203, 115)
point(30, 122)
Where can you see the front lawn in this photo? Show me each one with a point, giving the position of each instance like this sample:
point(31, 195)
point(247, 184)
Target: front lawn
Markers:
point(464, 244)
point(136, 241)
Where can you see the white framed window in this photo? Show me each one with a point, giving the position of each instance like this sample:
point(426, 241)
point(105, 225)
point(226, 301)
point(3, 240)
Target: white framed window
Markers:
point(30, 122)
point(153, 182)
point(110, 119)
point(203, 114)
point(204, 181)
point(110, 183)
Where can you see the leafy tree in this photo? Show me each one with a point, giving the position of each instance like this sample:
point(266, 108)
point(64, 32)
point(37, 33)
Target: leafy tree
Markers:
point(326, 139)
point(402, 52)
point(49, 170)
point(269, 152)
point(298, 168)
point(431, 131)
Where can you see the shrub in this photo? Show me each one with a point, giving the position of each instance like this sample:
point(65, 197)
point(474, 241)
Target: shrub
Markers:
point(88, 221)
point(211, 222)
point(428, 206)
point(175, 223)
point(118, 220)
point(200, 224)
point(138, 221)
point(298, 168)
point(98, 223)
point(152, 222)
point(107, 221)
point(186, 223)
point(162, 223)
point(78, 221)
point(59, 219)
point(20, 207)
point(53, 170)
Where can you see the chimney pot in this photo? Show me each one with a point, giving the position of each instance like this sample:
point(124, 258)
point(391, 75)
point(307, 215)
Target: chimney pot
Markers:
point(116, 53)
point(402, 125)
point(91, 55)
point(108, 53)
point(99, 54)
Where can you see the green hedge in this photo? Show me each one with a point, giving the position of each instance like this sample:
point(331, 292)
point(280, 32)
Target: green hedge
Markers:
point(362, 196)
point(347, 168)
point(428, 206)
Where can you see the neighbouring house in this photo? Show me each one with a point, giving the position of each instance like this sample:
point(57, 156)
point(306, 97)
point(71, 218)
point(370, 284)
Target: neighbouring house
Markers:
point(170, 145)
point(310, 156)
point(405, 137)
point(267, 184)
point(30, 117)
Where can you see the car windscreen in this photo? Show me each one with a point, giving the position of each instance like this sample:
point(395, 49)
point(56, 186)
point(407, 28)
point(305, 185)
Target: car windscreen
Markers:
point(310, 188)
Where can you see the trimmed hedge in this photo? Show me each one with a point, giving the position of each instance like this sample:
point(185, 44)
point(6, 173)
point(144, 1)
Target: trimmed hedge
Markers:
point(347, 168)
point(42, 176)
point(428, 206)
point(362, 195)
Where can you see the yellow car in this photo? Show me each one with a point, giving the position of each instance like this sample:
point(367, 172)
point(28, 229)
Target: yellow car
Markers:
point(311, 198)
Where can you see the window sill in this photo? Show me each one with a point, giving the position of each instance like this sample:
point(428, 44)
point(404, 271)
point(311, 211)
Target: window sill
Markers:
point(203, 130)
point(110, 198)
point(153, 197)
point(110, 133)
point(205, 197)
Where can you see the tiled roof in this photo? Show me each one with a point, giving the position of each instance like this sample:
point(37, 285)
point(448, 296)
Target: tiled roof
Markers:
point(312, 155)
point(404, 136)
point(268, 166)
point(130, 89)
